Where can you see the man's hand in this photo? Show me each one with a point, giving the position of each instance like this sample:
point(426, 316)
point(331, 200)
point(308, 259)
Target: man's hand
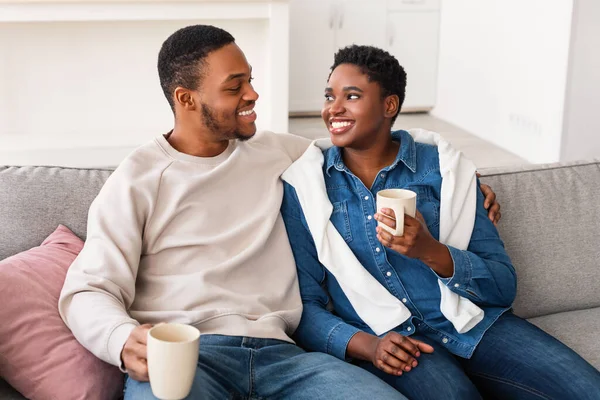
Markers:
point(490, 203)
point(134, 353)
point(395, 354)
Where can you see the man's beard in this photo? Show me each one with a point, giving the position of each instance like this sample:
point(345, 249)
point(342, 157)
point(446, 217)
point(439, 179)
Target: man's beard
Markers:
point(211, 121)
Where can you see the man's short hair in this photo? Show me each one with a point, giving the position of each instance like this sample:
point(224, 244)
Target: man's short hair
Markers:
point(379, 66)
point(181, 57)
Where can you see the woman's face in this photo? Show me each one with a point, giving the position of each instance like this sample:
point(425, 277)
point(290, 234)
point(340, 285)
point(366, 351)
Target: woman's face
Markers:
point(354, 110)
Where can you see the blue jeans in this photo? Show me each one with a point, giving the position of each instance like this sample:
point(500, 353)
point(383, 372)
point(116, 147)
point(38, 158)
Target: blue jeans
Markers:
point(514, 360)
point(250, 368)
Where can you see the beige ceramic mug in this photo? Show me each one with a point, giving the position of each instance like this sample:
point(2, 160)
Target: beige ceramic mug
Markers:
point(172, 359)
point(402, 201)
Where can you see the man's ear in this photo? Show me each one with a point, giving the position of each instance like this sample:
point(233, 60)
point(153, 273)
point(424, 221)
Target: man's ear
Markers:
point(183, 99)
point(392, 106)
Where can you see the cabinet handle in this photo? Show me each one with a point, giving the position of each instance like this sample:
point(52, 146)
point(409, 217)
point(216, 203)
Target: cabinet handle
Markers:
point(331, 16)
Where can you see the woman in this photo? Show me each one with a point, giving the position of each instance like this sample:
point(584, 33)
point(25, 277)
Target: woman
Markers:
point(428, 355)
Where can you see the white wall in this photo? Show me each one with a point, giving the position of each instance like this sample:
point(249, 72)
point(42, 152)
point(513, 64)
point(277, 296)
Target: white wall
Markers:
point(581, 138)
point(503, 72)
point(95, 84)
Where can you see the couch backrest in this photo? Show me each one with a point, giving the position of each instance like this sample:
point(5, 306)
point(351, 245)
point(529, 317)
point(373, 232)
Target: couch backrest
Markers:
point(551, 229)
point(35, 200)
point(550, 224)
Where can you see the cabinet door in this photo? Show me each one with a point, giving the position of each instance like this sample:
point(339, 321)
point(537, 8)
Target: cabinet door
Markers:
point(361, 22)
point(312, 25)
point(413, 38)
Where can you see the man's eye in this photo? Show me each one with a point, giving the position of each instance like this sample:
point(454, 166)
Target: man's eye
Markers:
point(353, 97)
point(250, 79)
point(328, 97)
point(235, 89)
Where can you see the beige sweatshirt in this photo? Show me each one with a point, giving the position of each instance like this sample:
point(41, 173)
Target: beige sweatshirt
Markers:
point(177, 238)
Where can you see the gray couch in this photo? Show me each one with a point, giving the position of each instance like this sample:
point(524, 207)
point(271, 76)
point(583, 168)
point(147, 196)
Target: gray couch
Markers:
point(550, 225)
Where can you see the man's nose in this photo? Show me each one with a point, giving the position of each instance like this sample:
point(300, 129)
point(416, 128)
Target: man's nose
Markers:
point(251, 94)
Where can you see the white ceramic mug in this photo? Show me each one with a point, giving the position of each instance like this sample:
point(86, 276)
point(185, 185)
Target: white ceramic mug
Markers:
point(402, 201)
point(172, 359)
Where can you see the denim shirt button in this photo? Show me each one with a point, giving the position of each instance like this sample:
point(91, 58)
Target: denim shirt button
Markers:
point(378, 249)
point(445, 340)
point(369, 217)
point(366, 197)
point(456, 285)
point(388, 273)
point(404, 300)
point(408, 329)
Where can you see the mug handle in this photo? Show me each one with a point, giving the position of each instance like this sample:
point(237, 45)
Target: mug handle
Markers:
point(399, 211)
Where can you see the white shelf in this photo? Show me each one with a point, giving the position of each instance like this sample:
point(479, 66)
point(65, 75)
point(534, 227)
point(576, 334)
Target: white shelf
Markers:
point(61, 11)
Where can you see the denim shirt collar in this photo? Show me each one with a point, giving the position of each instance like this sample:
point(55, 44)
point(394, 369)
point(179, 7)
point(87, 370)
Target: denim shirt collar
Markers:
point(407, 154)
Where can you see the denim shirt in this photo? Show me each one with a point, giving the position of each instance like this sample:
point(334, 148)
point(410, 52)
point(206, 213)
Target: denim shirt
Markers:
point(483, 273)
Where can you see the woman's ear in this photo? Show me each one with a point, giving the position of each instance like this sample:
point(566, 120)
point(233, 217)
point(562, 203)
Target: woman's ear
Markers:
point(392, 106)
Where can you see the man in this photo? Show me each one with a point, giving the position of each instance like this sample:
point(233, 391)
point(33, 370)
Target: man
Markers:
point(187, 229)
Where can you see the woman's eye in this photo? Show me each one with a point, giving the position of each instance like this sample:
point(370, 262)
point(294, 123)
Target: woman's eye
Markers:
point(328, 97)
point(353, 97)
point(235, 89)
point(251, 79)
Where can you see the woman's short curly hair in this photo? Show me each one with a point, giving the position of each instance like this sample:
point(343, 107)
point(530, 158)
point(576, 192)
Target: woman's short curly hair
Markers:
point(379, 65)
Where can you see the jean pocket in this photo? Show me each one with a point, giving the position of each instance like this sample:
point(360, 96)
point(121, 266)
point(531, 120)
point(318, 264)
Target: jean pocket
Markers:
point(341, 220)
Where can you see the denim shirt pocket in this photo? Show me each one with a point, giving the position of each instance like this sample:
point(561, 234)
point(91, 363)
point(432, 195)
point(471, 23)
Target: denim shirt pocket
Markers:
point(428, 206)
point(341, 220)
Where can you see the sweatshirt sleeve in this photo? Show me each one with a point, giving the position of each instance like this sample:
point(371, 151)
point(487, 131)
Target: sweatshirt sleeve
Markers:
point(293, 145)
point(100, 285)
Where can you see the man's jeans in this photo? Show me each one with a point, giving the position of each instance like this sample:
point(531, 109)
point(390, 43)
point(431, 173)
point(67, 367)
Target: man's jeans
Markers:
point(249, 368)
point(514, 360)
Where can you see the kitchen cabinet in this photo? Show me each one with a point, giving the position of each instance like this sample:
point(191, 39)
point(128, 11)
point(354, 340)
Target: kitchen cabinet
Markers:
point(408, 29)
point(413, 40)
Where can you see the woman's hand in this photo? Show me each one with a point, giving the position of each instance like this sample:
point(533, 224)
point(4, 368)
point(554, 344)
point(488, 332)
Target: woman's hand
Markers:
point(394, 354)
point(416, 242)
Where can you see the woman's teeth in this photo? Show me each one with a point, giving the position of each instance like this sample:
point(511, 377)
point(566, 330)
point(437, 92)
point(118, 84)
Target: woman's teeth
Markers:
point(245, 113)
point(336, 125)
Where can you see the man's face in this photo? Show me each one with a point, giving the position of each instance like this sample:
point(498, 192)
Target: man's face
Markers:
point(354, 110)
point(226, 97)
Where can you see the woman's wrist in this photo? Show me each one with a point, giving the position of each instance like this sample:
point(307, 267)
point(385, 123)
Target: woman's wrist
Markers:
point(362, 346)
point(440, 260)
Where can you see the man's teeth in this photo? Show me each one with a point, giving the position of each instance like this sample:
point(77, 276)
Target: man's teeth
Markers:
point(244, 113)
point(336, 125)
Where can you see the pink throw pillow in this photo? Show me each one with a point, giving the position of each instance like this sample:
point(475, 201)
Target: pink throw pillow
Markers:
point(38, 354)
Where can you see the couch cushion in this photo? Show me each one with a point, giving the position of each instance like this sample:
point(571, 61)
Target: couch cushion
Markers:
point(577, 329)
point(35, 200)
point(551, 229)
